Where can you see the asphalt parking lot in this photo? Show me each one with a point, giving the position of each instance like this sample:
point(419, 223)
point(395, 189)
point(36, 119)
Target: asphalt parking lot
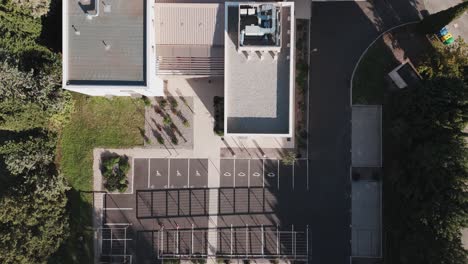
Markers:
point(168, 213)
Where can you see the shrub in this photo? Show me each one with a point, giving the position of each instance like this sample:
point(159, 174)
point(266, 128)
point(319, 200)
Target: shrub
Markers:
point(160, 140)
point(37, 8)
point(146, 101)
point(174, 103)
point(148, 141)
point(289, 158)
point(114, 170)
point(219, 132)
point(163, 103)
point(167, 121)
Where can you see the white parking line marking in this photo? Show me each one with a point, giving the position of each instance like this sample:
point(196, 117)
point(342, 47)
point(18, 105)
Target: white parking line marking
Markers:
point(293, 169)
point(248, 179)
point(278, 175)
point(263, 174)
point(307, 174)
point(116, 239)
point(115, 224)
point(115, 209)
point(149, 172)
point(188, 172)
point(168, 173)
point(234, 178)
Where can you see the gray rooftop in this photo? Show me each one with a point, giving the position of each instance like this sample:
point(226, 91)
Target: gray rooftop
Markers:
point(257, 89)
point(109, 47)
point(189, 24)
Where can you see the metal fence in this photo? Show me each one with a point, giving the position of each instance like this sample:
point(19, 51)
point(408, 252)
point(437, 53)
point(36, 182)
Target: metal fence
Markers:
point(195, 202)
point(113, 245)
point(172, 203)
point(235, 242)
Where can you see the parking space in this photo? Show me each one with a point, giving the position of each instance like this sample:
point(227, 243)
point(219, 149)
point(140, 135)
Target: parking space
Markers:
point(140, 171)
point(241, 169)
point(198, 173)
point(170, 173)
point(301, 180)
point(285, 177)
point(269, 173)
point(158, 173)
point(178, 173)
point(271, 176)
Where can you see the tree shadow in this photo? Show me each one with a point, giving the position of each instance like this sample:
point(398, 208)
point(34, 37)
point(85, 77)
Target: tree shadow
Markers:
point(51, 35)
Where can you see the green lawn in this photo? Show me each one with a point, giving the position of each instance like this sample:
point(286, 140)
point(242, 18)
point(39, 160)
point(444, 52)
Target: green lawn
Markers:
point(96, 122)
point(369, 82)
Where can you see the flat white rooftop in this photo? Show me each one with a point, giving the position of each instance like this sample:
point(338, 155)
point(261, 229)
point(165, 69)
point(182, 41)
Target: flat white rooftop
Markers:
point(258, 82)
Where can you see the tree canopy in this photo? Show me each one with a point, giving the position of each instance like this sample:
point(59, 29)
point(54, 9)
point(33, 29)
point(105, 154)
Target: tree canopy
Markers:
point(33, 219)
point(431, 175)
point(33, 214)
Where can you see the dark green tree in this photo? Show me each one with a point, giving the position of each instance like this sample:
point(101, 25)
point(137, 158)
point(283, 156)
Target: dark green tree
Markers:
point(23, 156)
point(436, 21)
point(32, 99)
point(427, 124)
point(33, 219)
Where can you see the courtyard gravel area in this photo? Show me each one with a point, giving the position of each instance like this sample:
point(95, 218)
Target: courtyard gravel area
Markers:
point(176, 133)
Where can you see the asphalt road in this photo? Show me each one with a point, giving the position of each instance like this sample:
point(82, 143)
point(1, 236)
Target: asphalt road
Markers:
point(340, 32)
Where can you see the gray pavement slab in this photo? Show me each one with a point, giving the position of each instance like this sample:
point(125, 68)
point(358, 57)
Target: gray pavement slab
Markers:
point(145, 252)
point(199, 202)
point(256, 200)
point(119, 216)
point(172, 203)
point(159, 204)
point(241, 200)
point(226, 201)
